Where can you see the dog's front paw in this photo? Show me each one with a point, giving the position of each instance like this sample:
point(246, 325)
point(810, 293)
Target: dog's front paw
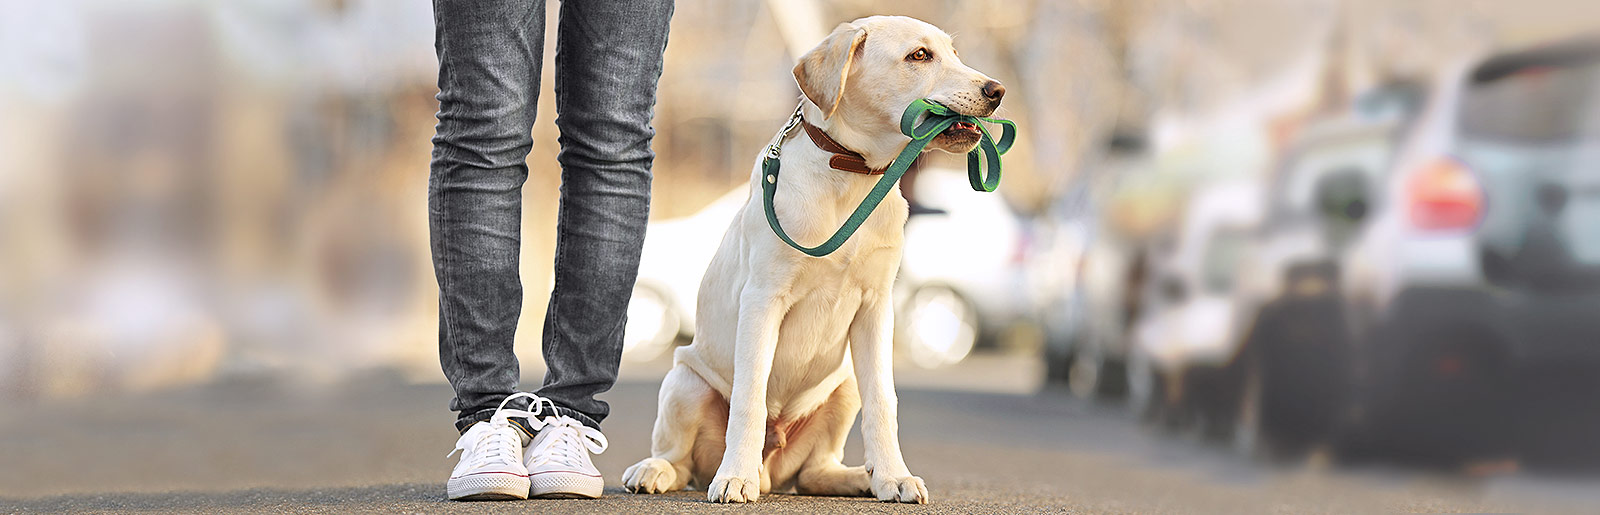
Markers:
point(909, 489)
point(733, 489)
point(649, 476)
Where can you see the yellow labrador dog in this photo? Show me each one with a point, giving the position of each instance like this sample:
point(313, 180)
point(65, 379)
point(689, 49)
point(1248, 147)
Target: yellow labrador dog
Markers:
point(789, 346)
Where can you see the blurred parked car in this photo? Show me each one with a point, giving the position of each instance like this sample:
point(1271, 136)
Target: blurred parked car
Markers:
point(1092, 267)
point(1283, 384)
point(1090, 321)
point(962, 281)
point(1144, 195)
point(1056, 275)
point(1191, 323)
point(1476, 289)
point(1071, 229)
point(1441, 303)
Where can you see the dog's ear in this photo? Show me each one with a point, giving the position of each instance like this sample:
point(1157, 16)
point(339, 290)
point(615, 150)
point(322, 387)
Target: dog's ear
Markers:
point(823, 71)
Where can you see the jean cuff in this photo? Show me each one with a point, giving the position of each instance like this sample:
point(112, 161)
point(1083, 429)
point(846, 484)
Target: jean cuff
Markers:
point(466, 420)
point(563, 410)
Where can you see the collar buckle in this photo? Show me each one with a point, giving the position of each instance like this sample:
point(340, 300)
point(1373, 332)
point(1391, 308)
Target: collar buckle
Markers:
point(776, 147)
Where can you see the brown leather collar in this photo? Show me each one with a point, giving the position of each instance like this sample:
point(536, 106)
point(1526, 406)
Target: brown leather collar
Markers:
point(843, 159)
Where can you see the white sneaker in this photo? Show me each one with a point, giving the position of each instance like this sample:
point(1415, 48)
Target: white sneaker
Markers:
point(491, 466)
point(558, 461)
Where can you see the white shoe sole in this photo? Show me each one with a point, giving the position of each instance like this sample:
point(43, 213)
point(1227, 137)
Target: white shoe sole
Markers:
point(488, 487)
point(565, 485)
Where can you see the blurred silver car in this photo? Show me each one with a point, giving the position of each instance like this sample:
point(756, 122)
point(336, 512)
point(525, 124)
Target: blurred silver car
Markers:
point(1087, 271)
point(1474, 292)
point(1282, 385)
point(1443, 304)
point(1141, 200)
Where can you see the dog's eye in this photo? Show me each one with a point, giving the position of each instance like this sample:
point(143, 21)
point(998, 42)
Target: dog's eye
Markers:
point(920, 55)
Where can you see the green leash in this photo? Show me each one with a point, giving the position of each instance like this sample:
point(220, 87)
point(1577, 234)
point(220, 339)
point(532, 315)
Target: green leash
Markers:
point(938, 119)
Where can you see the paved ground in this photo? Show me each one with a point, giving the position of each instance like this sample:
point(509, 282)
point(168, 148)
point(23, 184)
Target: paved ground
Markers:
point(379, 444)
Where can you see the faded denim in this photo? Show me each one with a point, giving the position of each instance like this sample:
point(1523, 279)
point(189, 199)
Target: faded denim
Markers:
point(608, 60)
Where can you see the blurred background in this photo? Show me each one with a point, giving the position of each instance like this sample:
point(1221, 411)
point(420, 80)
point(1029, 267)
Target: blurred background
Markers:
point(1293, 229)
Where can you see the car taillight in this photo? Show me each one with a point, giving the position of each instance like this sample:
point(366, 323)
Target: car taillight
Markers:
point(1444, 195)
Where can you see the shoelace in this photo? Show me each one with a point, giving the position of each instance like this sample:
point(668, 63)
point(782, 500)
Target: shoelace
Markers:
point(500, 439)
point(566, 441)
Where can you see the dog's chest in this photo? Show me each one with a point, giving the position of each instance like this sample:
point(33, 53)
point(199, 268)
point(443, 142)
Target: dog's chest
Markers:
point(829, 296)
point(829, 293)
point(812, 347)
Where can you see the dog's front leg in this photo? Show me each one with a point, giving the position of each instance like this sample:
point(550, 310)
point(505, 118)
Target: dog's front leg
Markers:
point(738, 479)
point(872, 352)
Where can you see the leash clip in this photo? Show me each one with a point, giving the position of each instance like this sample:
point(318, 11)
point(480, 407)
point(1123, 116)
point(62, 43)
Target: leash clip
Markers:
point(776, 146)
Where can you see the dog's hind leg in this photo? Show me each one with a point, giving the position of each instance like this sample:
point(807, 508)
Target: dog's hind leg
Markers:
point(685, 402)
point(834, 479)
point(821, 444)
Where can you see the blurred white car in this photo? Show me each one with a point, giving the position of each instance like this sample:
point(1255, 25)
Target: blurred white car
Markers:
point(1191, 320)
point(1139, 202)
point(1280, 394)
point(676, 254)
point(961, 277)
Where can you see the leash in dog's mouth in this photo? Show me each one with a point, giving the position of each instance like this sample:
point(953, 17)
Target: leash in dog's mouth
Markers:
point(935, 119)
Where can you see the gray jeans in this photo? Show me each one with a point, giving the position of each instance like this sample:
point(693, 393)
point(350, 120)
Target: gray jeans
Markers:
point(608, 60)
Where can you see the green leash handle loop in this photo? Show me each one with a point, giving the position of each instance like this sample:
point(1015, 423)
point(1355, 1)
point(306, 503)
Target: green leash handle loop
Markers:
point(938, 119)
point(992, 151)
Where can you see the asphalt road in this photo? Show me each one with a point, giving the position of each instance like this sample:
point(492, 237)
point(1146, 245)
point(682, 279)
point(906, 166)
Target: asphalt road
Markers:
point(378, 443)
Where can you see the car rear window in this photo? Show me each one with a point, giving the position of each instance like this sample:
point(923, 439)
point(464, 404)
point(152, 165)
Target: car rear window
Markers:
point(1534, 104)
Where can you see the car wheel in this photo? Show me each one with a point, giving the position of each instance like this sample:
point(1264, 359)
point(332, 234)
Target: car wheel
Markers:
point(1063, 335)
point(1146, 392)
point(1210, 397)
point(1260, 429)
point(1058, 362)
point(652, 325)
point(939, 327)
point(1093, 377)
point(1247, 427)
point(1083, 378)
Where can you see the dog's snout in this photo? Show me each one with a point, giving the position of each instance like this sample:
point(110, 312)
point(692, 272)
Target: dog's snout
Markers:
point(993, 90)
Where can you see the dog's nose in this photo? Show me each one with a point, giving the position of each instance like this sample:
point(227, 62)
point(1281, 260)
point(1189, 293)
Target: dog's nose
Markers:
point(994, 90)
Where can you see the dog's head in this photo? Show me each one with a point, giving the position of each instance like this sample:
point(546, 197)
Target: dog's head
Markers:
point(867, 71)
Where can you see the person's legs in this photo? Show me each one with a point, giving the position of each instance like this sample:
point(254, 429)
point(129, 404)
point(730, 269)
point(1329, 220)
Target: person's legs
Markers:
point(490, 52)
point(608, 59)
